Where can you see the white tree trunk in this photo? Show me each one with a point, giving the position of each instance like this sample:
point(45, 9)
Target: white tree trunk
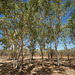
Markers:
point(13, 57)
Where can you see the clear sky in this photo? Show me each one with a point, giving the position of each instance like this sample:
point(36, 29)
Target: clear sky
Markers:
point(60, 45)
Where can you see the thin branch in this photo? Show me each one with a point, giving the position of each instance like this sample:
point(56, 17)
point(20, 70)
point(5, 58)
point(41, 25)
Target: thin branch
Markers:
point(35, 20)
point(30, 13)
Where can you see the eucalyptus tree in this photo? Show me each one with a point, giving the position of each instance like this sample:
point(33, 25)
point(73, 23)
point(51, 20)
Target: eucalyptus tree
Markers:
point(32, 49)
point(8, 22)
point(48, 12)
point(39, 9)
point(29, 17)
point(57, 13)
point(49, 38)
point(68, 29)
point(10, 33)
point(65, 34)
point(42, 30)
point(41, 39)
point(24, 15)
point(71, 25)
point(32, 39)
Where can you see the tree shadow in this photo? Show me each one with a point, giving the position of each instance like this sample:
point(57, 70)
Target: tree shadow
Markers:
point(35, 68)
point(43, 71)
point(30, 68)
point(68, 63)
point(9, 59)
point(3, 65)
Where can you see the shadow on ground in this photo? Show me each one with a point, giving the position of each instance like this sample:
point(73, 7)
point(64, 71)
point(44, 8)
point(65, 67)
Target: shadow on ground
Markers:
point(35, 68)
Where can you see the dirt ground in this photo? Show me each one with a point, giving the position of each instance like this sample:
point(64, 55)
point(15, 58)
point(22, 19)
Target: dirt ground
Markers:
point(67, 67)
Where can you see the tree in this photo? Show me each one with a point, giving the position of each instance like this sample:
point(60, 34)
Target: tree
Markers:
point(19, 19)
point(71, 25)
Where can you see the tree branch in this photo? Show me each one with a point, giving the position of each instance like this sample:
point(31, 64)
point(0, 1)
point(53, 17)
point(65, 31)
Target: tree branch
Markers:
point(30, 13)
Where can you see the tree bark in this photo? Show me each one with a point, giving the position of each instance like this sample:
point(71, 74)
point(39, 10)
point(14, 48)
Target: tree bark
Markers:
point(66, 50)
point(32, 55)
point(51, 53)
point(33, 50)
point(68, 57)
point(17, 64)
point(30, 52)
point(42, 56)
point(22, 52)
point(56, 52)
point(48, 52)
point(57, 57)
point(13, 56)
point(48, 56)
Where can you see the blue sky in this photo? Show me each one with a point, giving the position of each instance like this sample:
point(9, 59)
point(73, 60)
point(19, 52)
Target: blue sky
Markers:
point(60, 45)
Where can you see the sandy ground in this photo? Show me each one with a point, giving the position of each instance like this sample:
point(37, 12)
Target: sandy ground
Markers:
point(35, 68)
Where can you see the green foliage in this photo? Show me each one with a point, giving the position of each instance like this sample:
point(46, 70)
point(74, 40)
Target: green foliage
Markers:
point(36, 20)
point(71, 25)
